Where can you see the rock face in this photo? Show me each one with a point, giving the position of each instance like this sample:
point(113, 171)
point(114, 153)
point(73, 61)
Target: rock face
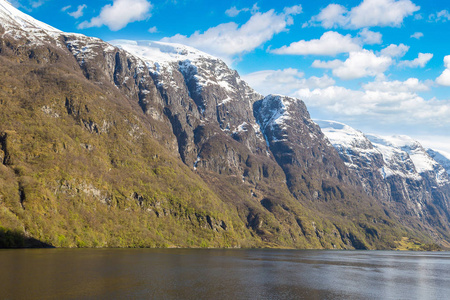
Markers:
point(397, 171)
point(156, 144)
point(311, 165)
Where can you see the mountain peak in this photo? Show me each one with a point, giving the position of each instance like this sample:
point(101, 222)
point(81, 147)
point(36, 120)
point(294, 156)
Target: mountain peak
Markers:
point(161, 52)
point(12, 18)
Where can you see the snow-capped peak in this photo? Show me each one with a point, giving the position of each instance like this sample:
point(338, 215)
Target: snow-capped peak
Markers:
point(342, 135)
point(422, 161)
point(278, 110)
point(11, 17)
point(402, 155)
point(161, 52)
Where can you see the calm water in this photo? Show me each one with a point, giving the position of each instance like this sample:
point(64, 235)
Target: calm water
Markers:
point(222, 274)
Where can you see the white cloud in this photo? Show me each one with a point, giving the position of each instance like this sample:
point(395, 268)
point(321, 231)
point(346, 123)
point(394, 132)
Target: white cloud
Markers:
point(418, 17)
point(379, 104)
point(447, 61)
point(444, 78)
point(120, 14)
point(395, 50)
point(417, 35)
point(330, 43)
point(233, 11)
point(292, 10)
point(369, 13)
point(229, 39)
point(32, 3)
point(15, 3)
point(37, 3)
point(441, 16)
point(79, 12)
point(370, 37)
point(359, 64)
point(332, 16)
point(381, 13)
point(285, 81)
point(153, 29)
point(435, 142)
point(66, 8)
point(255, 9)
point(420, 61)
point(410, 85)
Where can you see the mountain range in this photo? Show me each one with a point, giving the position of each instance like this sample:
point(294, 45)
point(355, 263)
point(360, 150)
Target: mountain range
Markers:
point(151, 144)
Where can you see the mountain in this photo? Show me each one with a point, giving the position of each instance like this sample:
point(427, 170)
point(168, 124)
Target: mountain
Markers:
point(442, 157)
point(150, 144)
point(397, 171)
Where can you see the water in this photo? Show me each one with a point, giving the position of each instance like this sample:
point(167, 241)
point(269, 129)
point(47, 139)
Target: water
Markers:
point(222, 274)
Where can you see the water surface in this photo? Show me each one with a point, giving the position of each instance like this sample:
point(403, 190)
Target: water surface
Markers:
point(222, 274)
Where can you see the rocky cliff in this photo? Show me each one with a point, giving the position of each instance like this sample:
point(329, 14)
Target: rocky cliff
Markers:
point(398, 172)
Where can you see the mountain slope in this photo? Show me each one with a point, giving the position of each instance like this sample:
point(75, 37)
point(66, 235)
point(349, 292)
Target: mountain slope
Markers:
point(441, 157)
point(397, 171)
point(156, 144)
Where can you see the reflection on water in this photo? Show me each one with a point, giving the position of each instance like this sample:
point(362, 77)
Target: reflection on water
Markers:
point(222, 274)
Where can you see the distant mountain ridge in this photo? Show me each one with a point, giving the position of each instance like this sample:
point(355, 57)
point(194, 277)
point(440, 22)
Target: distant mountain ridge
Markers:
point(396, 170)
point(150, 144)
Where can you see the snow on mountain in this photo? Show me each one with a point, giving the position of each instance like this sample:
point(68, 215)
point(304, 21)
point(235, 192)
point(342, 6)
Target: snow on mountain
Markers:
point(402, 155)
point(160, 52)
point(11, 16)
point(422, 161)
point(442, 157)
point(343, 136)
point(215, 88)
point(20, 25)
point(206, 70)
point(278, 113)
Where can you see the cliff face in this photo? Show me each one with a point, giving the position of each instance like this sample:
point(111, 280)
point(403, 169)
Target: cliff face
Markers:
point(155, 144)
point(398, 172)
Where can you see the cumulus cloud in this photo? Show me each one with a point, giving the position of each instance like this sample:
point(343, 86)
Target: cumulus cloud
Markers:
point(444, 78)
point(369, 13)
point(229, 39)
point(379, 102)
point(409, 85)
point(79, 12)
point(359, 64)
point(417, 35)
point(332, 16)
point(285, 81)
point(395, 50)
point(370, 37)
point(330, 43)
point(120, 14)
point(420, 61)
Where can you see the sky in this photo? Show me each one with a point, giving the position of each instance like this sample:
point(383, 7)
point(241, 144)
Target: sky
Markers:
point(380, 66)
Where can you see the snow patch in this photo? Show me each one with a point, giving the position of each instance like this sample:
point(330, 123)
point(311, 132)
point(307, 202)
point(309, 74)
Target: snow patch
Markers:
point(402, 155)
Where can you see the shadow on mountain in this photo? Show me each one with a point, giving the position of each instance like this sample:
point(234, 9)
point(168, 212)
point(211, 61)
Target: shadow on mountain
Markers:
point(10, 239)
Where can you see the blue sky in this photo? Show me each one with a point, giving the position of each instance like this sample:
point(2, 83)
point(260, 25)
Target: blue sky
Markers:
point(381, 66)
